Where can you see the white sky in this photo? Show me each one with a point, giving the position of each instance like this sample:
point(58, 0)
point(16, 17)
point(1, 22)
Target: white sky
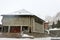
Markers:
point(41, 8)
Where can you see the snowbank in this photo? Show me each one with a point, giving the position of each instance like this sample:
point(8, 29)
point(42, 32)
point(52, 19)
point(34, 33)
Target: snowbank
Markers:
point(48, 38)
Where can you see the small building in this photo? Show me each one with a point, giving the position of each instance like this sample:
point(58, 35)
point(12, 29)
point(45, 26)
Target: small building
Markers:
point(18, 23)
point(46, 25)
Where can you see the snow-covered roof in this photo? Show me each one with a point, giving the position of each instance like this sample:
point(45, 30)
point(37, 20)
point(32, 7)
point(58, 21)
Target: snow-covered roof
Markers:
point(19, 12)
point(22, 12)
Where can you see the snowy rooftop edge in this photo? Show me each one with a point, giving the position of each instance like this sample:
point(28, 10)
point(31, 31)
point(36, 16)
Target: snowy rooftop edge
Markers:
point(16, 14)
point(20, 12)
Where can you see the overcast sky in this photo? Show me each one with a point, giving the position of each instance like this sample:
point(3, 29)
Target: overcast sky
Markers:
point(41, 8)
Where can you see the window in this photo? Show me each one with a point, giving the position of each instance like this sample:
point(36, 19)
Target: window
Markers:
point(0, 29)
point(15, 29)
point(5, 28)
point(24, 28)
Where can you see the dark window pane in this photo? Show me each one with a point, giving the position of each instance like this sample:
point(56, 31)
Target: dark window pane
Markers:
point(0, 29)
point(15, 29)
point(5, 29)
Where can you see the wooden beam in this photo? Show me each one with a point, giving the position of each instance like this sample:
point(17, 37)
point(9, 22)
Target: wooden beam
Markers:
point(8, 29)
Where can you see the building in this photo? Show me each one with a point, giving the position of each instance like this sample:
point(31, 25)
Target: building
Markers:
point(1, 27)
point(18, 23)
point(46, 25)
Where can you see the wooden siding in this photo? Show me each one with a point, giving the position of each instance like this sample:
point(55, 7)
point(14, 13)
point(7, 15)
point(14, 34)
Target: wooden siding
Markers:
point(16, 21)
point(23, 21)
point(39, 28)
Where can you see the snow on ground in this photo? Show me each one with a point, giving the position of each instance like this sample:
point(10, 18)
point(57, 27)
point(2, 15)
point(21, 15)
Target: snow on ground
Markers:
point(54, 29)
point(47, 38)
point(26, 35)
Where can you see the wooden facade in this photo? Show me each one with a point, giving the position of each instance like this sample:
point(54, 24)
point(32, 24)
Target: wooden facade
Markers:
point(19, 23)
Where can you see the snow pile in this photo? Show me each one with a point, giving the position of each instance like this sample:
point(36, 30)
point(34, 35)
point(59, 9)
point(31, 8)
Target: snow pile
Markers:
point(26, 35)
point(55, 29)
point(47, 38)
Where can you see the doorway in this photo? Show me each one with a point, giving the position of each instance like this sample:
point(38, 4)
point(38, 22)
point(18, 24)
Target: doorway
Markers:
point(25, 29)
